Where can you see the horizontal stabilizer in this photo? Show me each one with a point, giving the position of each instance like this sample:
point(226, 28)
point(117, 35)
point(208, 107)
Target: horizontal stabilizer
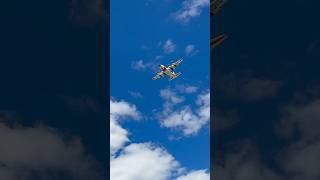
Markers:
point(175, 76)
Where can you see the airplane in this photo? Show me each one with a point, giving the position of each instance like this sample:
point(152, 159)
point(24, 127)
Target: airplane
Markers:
point(218, 40)
point(215, 7)
point(168, 71)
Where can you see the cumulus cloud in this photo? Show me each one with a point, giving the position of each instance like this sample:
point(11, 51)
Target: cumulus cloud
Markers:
point(191, 89)
point(169, 47)
point(142, 65)
point(195, 175)
point(171, 96)
point(190, 50)
point(136, 94)
point(119, 135)
point(190, 9)
point(124, 164)
point(139, 65)
point(188, 89)
point(185, 119)
point(143, 161)
point(44, 152)
point(122, 109)
point(203, 102)
point(171, 99)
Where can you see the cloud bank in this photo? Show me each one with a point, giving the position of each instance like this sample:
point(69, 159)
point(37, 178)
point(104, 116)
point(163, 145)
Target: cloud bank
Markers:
point(154, 161)
point(186, 119)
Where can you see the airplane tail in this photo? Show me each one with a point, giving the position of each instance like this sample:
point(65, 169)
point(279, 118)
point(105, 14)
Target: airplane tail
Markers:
point(175, 76)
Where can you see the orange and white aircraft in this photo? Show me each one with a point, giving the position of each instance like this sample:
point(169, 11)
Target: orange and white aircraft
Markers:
point(168, 71)
point(215, 7)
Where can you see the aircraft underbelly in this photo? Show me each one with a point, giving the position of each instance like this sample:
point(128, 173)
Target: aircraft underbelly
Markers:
point(169, 73)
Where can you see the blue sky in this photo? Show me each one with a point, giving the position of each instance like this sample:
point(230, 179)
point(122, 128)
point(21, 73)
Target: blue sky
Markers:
point(173, 116)
point(266, 99)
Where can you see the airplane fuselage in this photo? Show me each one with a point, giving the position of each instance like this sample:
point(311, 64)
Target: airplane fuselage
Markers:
point(167, 71)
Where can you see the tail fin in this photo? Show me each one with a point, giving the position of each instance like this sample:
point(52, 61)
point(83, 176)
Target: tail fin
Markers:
point(175, 76)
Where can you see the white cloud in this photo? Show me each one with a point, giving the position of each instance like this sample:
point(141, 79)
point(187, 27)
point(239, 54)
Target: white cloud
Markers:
point(191, 89)
point(190, 9)
point(143, 162)
point(123, 109)
point(170, 98)
point(154, 162)
point(139, 65)
point(188, 89)
point(185, 119)
point(190, 50)
point(195, 175)
point(136, 94)
point(204, 105)
point(158, 57)
point(118, 135)
point(169, 47)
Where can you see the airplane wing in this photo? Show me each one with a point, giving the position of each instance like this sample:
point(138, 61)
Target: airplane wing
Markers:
point(218, 40)
point(175, 64)
point(159, 75)
point(216, 5)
